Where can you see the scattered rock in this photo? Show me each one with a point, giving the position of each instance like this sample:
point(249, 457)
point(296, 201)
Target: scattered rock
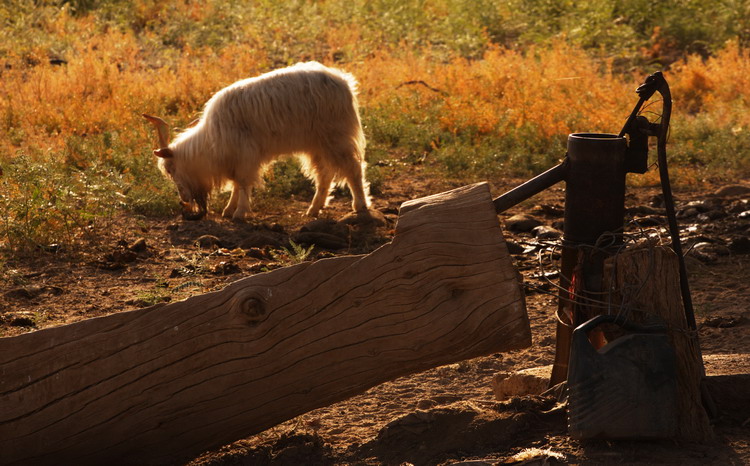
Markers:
point(711, 215)
point(537, 457)
point(323, 240)
point(226, 268)
point(548, 210)
point(650, 221)
point(326, 225)
point(705, 257)
point(740, 245)
point(208, 242)
point(22, 319)
point(740, 205)
point(728, 321)
point(657, 200)
point(522, 223)
point(687, 212)
point(703, 205)
point(370, 218)
point(139, 246)
point(513, 247)
point(643, 210)
point(31, 292)
point(733, 190)
point(258, 253)
point(260, 239)
point(532, 381)
point(712, 248)
point(52, 248)
point(275, 228)
point(546, 233)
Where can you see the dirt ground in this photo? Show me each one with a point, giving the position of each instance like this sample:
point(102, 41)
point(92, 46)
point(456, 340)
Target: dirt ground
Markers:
point(446, 415)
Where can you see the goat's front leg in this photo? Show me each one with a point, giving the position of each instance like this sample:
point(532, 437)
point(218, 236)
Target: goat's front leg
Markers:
point(232, 204)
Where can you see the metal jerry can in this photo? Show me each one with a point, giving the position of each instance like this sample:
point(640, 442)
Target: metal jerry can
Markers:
point(627, 388)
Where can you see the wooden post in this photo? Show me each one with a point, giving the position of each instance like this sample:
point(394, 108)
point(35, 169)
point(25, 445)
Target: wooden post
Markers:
point(164, 384)
point(645, 280)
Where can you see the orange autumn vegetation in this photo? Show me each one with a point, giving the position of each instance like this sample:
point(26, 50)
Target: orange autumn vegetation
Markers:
point(74, 118)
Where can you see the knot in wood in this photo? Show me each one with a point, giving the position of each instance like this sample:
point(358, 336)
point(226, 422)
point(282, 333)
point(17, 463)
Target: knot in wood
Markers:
point(249, 307)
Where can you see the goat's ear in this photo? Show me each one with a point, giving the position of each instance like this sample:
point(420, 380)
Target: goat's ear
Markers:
point(165, 153)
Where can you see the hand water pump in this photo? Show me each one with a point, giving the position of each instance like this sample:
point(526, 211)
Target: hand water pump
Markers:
point(594, 170)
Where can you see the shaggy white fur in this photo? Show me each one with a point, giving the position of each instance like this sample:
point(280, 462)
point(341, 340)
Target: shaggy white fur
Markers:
point(308, 110)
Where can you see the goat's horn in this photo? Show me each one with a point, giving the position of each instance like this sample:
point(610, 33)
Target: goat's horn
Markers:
point(162, 129)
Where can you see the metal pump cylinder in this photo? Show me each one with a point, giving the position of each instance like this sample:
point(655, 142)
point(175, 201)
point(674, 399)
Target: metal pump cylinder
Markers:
point(595, 186)
point(594, 205)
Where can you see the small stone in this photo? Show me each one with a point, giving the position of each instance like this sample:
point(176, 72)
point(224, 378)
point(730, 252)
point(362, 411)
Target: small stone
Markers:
point(259, 239)
point(705, 257)
point(139, 246)
point(732, 190)
point(522, 223)
point(687, 212)
point(22, 320)
point(644, 210)
point(370, 218)
point(514, 248)
point(740, 245)
point(426, 404)
point(709, 217)
point(702, 206)
point(728, 321)
point(257, 253)
point(326, 225)
point(226, 268)
point(208, 241)
point(650, 221)
point(548, 210)
point(323, 240)
point(532, 381)
point(545, 232)
point(712, 248)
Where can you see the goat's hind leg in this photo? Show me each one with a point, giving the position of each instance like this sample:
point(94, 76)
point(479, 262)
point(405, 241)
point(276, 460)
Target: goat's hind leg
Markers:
point(355, 178)
point(323, 181)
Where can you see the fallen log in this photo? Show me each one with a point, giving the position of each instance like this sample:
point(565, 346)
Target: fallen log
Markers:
point(164, 384)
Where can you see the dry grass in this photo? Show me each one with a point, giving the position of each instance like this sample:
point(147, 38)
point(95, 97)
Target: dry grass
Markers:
point(71, 98)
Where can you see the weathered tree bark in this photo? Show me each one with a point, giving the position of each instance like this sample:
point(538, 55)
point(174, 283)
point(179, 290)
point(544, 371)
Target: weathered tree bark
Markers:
point(166, 383)
point(645, 280)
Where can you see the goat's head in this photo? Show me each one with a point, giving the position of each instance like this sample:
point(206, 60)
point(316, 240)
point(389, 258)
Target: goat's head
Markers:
point(193, 197)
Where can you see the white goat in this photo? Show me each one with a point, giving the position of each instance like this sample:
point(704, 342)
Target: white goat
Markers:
point(307, 109)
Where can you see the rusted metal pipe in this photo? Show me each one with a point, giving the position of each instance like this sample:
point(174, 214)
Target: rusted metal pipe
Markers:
point(534, 186)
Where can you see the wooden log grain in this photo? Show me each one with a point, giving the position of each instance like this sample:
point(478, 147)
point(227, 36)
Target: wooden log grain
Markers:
point(164, 384)
point(644, 282)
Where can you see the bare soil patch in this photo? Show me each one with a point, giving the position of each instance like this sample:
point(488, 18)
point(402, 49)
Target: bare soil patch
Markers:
point(441, 416)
